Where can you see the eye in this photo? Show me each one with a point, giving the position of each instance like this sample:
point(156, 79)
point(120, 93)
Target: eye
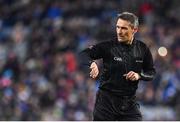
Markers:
point(117, 27)
point(124, 28)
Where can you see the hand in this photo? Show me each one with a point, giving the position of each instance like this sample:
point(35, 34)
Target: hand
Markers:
point(132, 76)
point(94, 70)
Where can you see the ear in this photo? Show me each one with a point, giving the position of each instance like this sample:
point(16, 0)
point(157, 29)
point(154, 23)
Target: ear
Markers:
point(135, 30)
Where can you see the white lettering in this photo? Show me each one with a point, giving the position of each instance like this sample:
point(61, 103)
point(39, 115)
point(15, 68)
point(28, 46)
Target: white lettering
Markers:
point(140, 61)
point(117, 58)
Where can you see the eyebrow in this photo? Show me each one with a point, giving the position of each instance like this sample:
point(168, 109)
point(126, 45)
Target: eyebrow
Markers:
point(121, 26)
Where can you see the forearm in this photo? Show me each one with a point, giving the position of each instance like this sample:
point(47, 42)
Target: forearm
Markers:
point(85, 58)
point(148, 72)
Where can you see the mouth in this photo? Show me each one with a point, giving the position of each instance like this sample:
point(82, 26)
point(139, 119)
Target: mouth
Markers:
point(120, 37)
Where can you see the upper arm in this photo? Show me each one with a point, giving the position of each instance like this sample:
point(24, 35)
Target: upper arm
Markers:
point(96, 51)
point(148, 64)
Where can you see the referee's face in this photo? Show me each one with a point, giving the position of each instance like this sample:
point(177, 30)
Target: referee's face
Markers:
point(125, 32)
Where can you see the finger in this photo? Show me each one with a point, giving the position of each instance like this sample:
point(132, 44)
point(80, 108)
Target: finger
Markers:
point(131, 78)
point(93, 76)
point(134, 79)
point(91, 67)
point(129, 74)
point(94, 73)
point(91, 73)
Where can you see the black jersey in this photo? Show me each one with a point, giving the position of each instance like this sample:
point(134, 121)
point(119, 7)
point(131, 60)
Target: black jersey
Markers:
point(118, 59)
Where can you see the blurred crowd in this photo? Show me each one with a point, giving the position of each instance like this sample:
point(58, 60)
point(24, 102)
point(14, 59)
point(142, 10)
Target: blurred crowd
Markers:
point(40, 77)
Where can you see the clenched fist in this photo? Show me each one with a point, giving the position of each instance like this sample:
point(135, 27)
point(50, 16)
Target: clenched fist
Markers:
point(133, 76)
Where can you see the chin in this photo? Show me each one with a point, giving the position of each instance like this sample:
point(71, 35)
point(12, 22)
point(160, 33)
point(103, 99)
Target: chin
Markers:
point(120, 40)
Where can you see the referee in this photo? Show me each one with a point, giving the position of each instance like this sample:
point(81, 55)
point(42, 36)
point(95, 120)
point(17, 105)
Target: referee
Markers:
point(126, 61)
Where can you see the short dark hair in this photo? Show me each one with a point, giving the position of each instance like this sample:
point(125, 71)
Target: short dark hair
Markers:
point(132, 18)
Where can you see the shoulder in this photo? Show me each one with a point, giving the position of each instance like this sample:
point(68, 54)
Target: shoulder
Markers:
point(143, 47)
point(104, 44)
point(141, 44)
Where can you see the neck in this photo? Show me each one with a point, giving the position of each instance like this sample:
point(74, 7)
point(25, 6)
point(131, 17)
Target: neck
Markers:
point(130, 41)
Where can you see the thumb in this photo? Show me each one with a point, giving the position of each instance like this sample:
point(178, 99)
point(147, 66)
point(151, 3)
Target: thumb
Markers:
point(92, 65)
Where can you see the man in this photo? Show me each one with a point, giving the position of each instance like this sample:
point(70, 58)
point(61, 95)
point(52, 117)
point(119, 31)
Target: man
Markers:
point(125, 62)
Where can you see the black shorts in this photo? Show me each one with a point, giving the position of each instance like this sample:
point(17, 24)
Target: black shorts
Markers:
point(109, 107)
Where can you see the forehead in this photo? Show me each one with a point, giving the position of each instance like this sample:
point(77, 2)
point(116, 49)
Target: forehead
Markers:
point(121, 22)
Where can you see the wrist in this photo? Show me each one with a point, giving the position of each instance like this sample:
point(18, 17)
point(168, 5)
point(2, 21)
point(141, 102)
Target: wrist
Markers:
point(139, 76)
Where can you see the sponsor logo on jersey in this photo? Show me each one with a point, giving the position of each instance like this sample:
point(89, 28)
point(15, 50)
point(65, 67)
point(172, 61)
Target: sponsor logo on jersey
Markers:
point(117, 58)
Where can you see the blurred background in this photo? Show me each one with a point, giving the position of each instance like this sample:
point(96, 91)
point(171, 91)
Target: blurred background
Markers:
point(40, 77)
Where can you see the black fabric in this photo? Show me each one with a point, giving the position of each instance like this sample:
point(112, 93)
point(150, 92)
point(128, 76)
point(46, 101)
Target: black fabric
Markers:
point(119, 59)
point(109, 107)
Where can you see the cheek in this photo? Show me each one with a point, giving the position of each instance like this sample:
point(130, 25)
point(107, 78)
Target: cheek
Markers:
point(126, 34)
point(117, 31)
point(129, 34)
